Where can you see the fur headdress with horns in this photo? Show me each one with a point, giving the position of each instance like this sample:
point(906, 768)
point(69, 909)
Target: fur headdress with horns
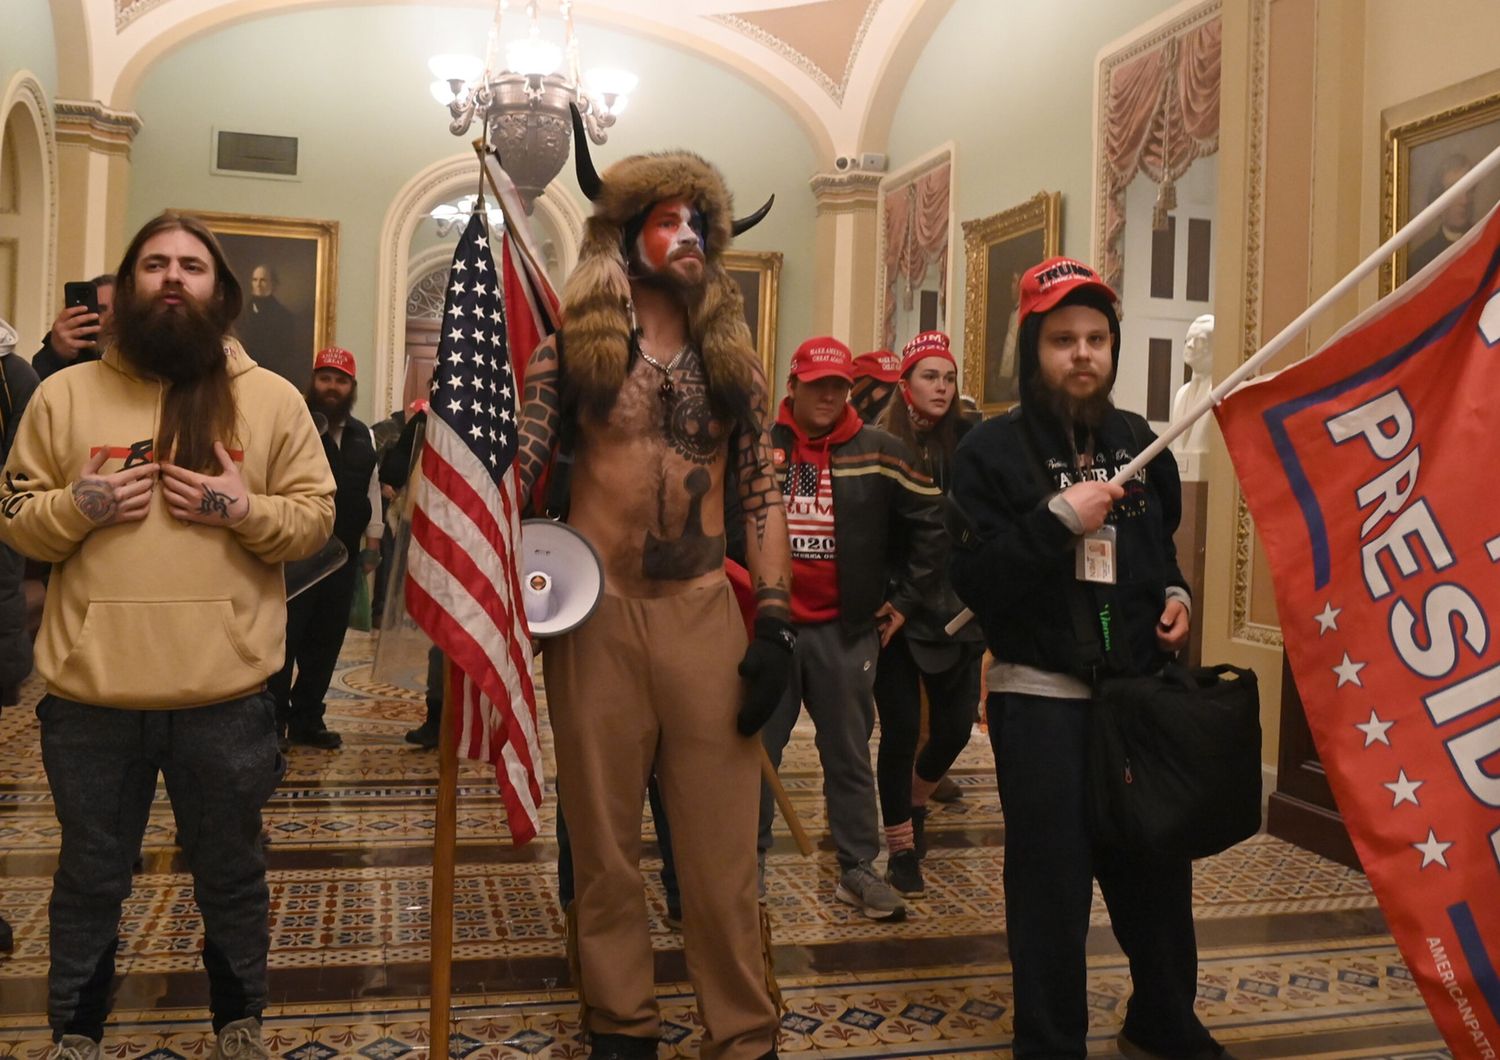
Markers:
point(596, 298)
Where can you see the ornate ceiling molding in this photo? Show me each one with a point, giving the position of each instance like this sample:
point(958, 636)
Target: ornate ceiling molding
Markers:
point(841, 192)
point(89, 123)
point(791, 54)
point(127, 11)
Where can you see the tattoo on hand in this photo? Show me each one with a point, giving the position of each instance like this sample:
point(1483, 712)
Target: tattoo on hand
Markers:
point(95, 499)
point(216, 503)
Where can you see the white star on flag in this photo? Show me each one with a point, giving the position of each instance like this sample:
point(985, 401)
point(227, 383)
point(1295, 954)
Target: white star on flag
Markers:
point(457, 288)
point(1375, 730)
point(1328, 619)
point(1433, 851)
point(1404, 790)
point(1348, 672)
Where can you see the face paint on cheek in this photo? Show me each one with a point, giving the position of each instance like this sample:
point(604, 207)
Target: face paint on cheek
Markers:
point(668, 227)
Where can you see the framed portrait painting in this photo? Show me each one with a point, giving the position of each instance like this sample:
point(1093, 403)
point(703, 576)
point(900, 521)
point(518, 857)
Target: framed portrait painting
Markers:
point(1422, 159)
point(997, 250)
point(288, 269)
point(758, 274)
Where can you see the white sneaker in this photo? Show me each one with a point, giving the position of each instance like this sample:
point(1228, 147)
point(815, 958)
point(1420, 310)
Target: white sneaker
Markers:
point(240, 1040)
point(863, 888)
point(75, 1047)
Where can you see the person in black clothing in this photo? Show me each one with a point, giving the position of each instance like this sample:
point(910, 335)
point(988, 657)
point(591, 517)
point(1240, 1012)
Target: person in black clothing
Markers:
point(17, 383)
point(925, 415)
point(317, 620)
point(74, 338)
point(1032, 492)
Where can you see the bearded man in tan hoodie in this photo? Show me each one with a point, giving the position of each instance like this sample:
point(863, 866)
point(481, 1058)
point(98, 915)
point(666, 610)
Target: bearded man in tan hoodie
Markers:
point(166, 483)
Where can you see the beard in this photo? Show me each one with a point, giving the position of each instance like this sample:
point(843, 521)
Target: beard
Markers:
point(337, 409)
point(666, 278)
point(1087, 411)
point(181, 344)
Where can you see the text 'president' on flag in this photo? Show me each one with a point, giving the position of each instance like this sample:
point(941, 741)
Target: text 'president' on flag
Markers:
point(462, 585)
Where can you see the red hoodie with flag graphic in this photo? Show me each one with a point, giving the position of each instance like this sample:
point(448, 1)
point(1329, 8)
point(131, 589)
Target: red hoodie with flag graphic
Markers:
point(807, 495)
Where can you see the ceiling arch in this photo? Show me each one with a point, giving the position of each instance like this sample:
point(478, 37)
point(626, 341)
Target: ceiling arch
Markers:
point(790, 49)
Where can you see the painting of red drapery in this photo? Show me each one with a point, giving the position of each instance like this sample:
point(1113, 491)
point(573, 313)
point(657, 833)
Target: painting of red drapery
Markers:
point(1160, 114)
point(916, 218)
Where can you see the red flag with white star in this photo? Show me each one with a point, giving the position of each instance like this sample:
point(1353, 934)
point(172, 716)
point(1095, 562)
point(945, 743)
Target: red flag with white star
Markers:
point(1365, 469)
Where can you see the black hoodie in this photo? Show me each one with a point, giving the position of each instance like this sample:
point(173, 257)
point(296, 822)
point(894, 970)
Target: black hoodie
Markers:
point(1013, 563)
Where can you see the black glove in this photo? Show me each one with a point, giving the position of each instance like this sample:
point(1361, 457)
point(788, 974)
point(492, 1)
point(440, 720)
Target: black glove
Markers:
point(766, 668)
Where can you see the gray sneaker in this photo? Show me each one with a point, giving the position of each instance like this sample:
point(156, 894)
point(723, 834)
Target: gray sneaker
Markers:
point(241, 1040)
point(75, 1047)
point(863, 888)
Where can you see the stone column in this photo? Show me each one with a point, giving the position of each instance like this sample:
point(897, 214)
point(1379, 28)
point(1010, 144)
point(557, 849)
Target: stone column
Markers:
point(846, 245)
point(93, 163)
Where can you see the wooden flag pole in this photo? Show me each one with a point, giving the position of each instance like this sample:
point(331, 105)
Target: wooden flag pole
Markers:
point(768, 771)
point(444, 844)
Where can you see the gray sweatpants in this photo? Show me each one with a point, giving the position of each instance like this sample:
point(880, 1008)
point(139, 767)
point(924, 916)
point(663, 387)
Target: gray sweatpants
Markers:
point(221, 764)
point(833, 673)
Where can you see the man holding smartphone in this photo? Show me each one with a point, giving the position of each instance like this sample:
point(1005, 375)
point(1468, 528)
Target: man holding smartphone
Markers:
point(74, 337)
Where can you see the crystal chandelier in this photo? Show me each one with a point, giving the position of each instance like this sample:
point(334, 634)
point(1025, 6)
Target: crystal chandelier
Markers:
point(524, 102)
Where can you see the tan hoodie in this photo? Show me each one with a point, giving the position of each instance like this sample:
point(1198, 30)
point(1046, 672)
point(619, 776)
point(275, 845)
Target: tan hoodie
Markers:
point(160, 613)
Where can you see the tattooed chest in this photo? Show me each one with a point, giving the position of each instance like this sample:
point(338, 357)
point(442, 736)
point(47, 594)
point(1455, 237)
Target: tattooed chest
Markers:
point(671, 404)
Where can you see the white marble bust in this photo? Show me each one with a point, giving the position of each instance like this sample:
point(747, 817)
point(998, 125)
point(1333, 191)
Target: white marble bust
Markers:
point(1198, 352)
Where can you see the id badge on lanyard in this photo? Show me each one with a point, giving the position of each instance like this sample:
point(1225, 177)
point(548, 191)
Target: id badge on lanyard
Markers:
point(1094, 556)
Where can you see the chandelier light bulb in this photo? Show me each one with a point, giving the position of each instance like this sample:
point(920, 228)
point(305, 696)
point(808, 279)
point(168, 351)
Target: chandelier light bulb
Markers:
point(532, 56)
point(452, 66)
point(610, 81)
point(442, 91)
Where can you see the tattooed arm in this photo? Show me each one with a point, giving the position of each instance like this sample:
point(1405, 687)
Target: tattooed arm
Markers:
point(768, 553)
point(49, 503)
point(541, 413)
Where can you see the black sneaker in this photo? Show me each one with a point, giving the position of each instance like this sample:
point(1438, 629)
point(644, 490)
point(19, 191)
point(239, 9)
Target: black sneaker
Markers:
point(7, 937)
point(425, 735)
point(1211, 1050)
point(320, 737)
point(903, 871)
point(621, 1047)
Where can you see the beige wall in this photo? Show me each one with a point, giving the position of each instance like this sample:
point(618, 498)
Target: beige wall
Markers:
point(1300, 207)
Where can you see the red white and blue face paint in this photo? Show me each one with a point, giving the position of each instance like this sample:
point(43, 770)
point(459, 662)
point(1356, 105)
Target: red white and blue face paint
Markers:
point(673, 232)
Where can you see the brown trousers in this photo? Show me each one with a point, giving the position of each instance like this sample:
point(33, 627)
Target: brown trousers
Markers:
point(652, 683)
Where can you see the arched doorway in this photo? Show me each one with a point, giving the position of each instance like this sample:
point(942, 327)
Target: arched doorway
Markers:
point(28, 198)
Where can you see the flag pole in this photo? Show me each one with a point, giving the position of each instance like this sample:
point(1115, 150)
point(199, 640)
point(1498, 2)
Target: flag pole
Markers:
point(1284, 337)
point(445, 840)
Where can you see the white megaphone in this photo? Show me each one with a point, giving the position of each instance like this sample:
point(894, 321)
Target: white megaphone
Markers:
point(561, 577)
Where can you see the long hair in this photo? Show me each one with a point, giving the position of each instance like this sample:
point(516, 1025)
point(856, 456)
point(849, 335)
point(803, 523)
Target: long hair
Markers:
point(934, 449)
point(198, 412)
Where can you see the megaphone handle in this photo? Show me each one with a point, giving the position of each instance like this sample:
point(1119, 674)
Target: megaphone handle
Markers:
point(768, 771)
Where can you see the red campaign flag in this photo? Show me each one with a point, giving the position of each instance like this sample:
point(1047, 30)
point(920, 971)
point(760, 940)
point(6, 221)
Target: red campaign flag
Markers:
point(1364, 467)
point(462, 583)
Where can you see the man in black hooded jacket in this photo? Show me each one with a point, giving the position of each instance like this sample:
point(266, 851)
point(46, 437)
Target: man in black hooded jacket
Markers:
point(1073, 577)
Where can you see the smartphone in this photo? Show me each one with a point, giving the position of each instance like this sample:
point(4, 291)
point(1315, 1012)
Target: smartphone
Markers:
point(81, 292)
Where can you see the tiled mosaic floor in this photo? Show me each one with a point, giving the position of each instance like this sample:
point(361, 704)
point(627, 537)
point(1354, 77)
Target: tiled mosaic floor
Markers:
point(1295, 961)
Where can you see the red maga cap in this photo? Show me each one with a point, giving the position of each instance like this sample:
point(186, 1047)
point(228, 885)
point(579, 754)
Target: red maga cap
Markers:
point(926, 344)
point(335, 357)
point(821, 357)
point(1044, 285)
point(881, 365)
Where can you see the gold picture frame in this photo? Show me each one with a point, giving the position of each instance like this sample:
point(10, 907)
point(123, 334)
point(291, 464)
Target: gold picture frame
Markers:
point(758, 273)
point(997, 249)
point(303, 257)
point(1419, 158)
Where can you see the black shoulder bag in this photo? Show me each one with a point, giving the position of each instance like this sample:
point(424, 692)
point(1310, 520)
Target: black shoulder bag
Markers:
point(1174, 757)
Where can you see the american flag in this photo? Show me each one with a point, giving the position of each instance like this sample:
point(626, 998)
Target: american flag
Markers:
point(463, 586)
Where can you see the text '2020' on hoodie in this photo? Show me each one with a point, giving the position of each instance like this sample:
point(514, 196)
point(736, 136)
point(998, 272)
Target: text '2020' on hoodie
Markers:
point(161, 613)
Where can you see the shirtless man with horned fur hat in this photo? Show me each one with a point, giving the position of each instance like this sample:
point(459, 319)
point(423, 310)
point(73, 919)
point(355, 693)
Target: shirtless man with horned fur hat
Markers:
point(658, 382)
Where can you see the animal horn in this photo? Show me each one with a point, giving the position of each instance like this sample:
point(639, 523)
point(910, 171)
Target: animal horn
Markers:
point(744, 224)
point(588, 177)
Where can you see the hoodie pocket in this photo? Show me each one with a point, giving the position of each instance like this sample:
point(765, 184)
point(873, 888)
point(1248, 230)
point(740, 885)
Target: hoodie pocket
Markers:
point(159, 653)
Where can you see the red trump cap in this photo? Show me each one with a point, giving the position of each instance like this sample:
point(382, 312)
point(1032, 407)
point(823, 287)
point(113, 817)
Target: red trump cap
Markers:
point(335, 357)
point(821, 357)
